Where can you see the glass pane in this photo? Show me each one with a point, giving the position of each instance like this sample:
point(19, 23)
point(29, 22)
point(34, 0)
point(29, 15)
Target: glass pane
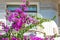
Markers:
point(31, 8)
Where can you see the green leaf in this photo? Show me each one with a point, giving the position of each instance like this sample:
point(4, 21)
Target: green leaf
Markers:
point(53, 18)
point(41, 26)
point(21, 32)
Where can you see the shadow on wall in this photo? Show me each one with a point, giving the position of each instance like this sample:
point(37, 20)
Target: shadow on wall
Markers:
point(48, 13)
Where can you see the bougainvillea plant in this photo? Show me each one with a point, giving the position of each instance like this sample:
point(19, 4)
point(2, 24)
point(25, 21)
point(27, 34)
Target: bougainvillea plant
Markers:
point(19, 19)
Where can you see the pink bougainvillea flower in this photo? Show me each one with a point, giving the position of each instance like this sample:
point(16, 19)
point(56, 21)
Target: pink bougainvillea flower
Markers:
point(17, 25)
point(15, 13)
point(31, 20)
point(1, 34)
point(18, 10)
point(24, 7)
point(20, 22)
point(5, 27)
point(12, 16)
point(24, 15)
point(25, 37)
point(35, 38)
point(5, 38)
point(14, 38)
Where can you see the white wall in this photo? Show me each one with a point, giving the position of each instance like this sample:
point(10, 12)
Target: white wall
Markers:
point(2, 11)
point(48, 10)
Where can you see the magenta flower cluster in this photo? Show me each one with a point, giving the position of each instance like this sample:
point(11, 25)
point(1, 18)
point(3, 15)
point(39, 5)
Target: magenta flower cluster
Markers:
point(5, 27)
point(36, 38)
point(13, 38)
point(4, 39)
point(19, 18)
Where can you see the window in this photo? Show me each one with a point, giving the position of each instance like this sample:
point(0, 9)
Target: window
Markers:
point(31, 8)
